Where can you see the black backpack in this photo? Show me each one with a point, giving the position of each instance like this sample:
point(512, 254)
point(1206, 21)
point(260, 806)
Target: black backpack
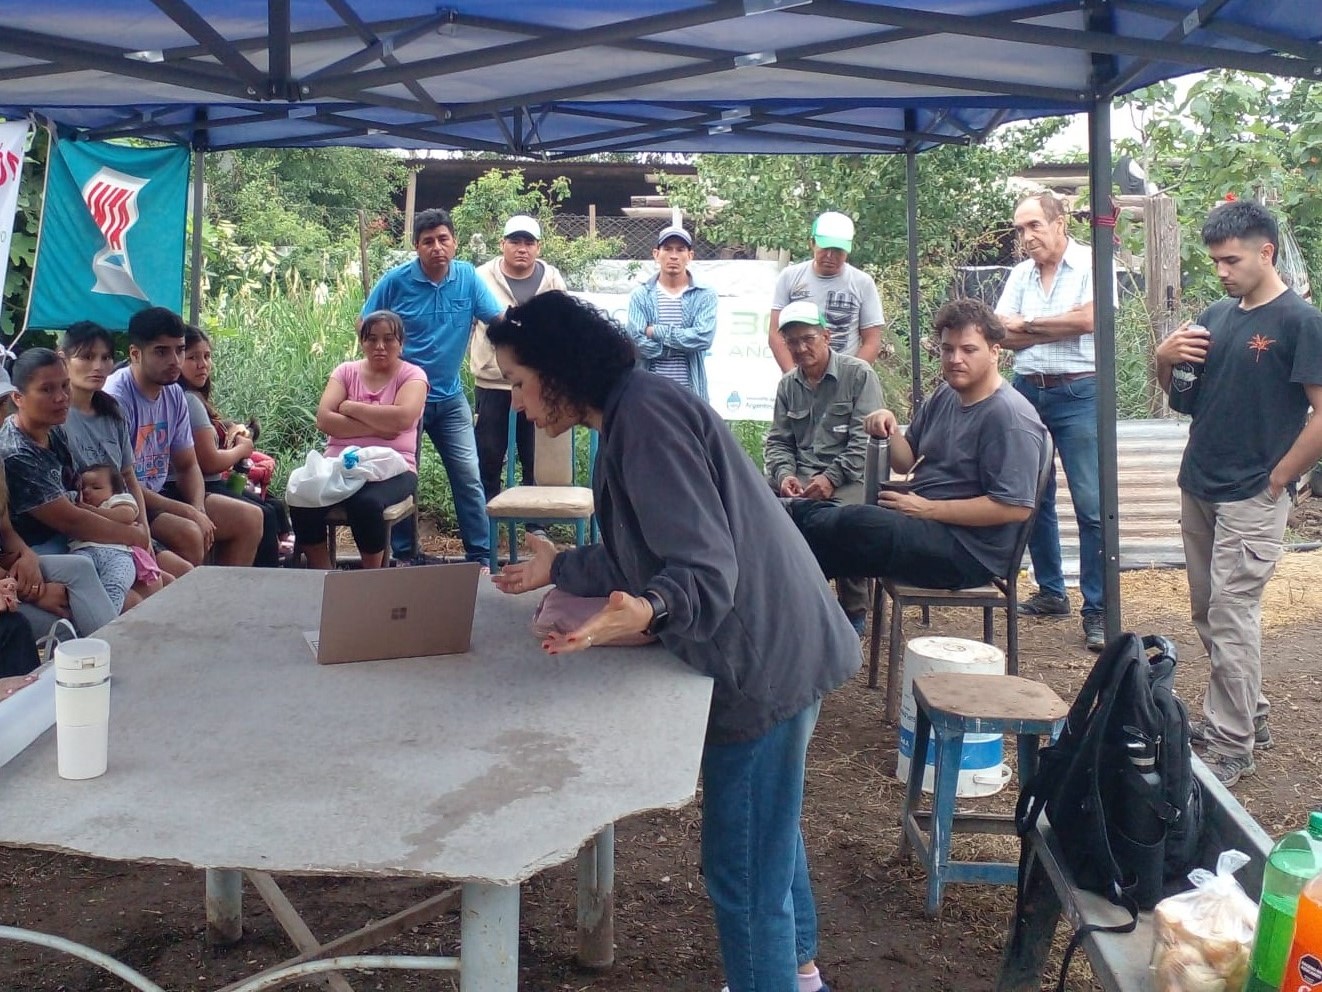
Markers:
point(1118, 785)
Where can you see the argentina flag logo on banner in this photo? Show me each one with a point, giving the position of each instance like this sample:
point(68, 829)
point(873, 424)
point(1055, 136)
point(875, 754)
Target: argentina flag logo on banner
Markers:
point(112, 234)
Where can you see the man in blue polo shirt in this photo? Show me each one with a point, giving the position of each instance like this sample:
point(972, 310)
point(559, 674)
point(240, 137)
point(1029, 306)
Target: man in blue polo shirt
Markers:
point(438, 298)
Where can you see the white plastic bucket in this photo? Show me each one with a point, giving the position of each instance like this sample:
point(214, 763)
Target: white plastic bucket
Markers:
point(982, 768)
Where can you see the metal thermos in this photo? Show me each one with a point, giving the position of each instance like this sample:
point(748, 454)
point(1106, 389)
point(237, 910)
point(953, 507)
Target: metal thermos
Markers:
point(1186, 378)
point(876, 467)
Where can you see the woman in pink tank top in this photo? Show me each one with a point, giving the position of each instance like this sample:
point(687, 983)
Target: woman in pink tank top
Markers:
point(377, 400)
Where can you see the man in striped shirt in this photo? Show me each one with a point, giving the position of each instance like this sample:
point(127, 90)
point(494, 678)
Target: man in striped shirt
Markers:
point(672, 316)
point(1048, 315)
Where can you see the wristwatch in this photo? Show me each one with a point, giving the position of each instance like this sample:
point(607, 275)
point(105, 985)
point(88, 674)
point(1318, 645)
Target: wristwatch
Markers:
point(660, 612)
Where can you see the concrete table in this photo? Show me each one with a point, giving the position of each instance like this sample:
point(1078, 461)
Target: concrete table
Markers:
point(232, 750)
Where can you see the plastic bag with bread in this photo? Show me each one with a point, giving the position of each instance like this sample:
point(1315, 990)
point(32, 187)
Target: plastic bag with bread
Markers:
point(1203, 937)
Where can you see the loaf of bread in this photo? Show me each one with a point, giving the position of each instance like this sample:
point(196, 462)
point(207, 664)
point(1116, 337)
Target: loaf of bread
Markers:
point(1203, 939)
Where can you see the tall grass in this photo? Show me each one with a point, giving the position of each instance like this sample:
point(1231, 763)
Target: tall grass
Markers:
point(275, 351)
point(273, 357)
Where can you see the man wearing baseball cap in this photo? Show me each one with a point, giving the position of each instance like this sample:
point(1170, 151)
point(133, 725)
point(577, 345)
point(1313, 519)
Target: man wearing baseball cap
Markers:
point(515, 276)
point(672, 316)
point(846, 297)
point(817, 444)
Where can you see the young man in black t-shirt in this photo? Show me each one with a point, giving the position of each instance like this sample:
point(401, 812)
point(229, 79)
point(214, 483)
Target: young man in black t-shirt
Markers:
point(1260, 358)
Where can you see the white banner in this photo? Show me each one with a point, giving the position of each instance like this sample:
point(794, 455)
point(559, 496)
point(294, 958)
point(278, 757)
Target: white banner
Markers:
point(13, 138)
point(741, 373)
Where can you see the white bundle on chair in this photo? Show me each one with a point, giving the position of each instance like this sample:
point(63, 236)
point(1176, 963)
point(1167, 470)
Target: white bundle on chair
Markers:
point(325, 481)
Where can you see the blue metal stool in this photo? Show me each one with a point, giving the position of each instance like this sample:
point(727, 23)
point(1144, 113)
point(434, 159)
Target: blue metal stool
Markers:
point(951, 706)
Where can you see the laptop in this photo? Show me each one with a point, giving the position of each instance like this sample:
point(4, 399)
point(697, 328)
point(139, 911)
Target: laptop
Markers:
point(378, 613)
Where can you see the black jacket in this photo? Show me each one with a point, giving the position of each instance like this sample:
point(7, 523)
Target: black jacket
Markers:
point(685, 512)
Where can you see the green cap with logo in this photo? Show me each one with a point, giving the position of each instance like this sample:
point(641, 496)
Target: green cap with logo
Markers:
point(801, 312)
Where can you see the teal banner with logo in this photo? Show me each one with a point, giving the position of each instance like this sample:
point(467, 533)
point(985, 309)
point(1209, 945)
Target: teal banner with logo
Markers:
point(112, 234)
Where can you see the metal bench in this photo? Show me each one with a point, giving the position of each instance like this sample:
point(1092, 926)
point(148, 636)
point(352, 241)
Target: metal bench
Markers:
point(1119, 960)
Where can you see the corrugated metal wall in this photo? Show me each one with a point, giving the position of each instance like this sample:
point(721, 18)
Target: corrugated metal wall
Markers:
point(1149, 453)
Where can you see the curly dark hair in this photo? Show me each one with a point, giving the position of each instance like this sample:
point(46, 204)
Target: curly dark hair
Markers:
point(959, 314)
point(578, 352)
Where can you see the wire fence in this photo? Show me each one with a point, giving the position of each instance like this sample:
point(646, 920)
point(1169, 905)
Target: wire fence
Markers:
point(637, 236)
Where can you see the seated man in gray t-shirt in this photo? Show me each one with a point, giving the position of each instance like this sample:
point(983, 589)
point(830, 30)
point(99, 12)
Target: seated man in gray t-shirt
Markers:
point(981, 445)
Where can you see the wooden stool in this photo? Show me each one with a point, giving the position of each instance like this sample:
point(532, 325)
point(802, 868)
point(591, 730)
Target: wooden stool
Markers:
point(950, 706)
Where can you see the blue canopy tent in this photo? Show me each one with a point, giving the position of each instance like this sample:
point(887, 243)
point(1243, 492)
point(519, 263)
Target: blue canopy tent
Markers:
point(572, 77)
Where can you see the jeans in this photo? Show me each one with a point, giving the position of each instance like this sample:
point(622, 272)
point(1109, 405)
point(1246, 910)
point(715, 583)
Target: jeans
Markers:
point(753, 857)
point(854, 541)
point(1070, 414)
point(449, 424)
point(1230, 551)
point(88, 601)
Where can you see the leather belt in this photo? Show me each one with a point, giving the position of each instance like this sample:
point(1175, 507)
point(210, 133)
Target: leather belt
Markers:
point(1047, 380)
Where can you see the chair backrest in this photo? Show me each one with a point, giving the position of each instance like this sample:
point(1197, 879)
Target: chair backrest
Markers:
point(1026, 528)
point(553, 459)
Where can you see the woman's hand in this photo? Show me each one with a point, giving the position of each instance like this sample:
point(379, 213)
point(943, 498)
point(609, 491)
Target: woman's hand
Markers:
point(623, 615)
point(27, 572)
point(11, 685)
point(531, 574)
point(54, 598)
point(8, 595)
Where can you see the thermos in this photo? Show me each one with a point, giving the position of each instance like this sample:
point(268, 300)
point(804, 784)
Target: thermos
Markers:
point(876, 467)
point(1186, 378)
point(82, 707)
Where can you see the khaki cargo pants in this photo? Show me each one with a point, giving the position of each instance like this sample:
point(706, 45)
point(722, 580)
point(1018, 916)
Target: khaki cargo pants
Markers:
point(1230, 551)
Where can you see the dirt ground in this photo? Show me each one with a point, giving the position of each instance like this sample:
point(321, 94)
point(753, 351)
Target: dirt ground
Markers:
point(874, 936)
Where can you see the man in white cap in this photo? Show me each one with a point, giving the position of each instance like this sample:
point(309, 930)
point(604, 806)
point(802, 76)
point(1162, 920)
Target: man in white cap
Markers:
point(515, 276)
point(846, 297)
point(817, 443)
point(672, 316)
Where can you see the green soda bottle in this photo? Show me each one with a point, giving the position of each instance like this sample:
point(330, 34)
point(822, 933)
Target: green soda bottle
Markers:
point(1296, 858)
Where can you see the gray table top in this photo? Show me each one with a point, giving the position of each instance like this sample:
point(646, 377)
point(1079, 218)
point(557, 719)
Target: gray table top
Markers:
point(231, 748)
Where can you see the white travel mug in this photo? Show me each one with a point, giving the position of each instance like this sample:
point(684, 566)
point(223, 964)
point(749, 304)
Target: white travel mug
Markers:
point(82, 707)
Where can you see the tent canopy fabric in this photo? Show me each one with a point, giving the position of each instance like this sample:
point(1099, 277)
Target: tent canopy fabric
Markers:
point(569, 78)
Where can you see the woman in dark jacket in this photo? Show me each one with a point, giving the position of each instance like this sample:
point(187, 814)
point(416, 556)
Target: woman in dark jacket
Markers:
point(697, 550)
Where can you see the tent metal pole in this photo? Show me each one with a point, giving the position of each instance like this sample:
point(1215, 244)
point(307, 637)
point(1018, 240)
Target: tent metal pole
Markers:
point(1103, 255)
point(199, 189)
point(915, 317)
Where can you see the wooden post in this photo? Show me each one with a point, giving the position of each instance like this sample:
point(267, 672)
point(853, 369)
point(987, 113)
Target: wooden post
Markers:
point(410, 205)
point(592, 220)
point(362, 252)
point(1161, 277)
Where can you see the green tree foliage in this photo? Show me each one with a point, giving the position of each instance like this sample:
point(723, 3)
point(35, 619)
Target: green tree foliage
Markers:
point(303, 202)
point(1232, 133)
point(495, 196)
point(964, 212)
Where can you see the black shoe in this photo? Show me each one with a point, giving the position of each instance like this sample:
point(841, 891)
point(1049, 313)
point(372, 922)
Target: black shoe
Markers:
point(1043, 604)
point(1094, 631)
point(1262, 734)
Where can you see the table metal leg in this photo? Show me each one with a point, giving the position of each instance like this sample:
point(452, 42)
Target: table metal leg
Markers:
point(224, 905)
point(596, 900)
point(489, 938)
